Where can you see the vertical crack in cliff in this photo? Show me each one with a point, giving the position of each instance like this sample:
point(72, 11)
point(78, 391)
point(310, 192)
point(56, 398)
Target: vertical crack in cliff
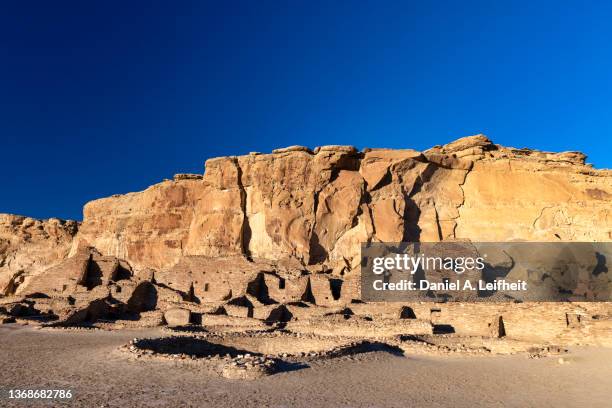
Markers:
point(438, 226)
point(412, 211)
point(460, 205)
point(316, 252)
point(347, 162)
point(363, 196)
point(366, 199)
point(245, 230)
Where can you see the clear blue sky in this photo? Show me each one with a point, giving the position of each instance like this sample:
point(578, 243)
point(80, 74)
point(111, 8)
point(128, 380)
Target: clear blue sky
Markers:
point(99, 98)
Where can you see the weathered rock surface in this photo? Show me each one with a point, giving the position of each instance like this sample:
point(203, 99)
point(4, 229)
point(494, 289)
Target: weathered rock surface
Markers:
point(29, 246)
point(275, 238)
point(316, 208)
point(177, 316)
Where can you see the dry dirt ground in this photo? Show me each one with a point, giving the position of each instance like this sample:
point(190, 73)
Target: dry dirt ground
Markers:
point(88, 363)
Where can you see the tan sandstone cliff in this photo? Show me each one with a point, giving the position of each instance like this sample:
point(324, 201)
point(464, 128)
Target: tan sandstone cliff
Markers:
point(317, 206)
point(263, 230)
point(29, 246)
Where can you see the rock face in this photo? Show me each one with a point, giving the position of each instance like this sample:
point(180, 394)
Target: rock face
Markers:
point(177, 317)
point(260, 236)
point(29, 246)
point(317, 207)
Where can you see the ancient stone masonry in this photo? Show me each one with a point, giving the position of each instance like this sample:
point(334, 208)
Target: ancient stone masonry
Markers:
point(276, 237)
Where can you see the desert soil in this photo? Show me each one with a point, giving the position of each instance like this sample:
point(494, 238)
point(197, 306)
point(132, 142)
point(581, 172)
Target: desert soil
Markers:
point(88, 363)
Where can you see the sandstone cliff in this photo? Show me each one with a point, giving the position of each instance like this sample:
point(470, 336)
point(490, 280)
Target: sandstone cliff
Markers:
point(316, 207)
point(29, 246)
point(262, 235)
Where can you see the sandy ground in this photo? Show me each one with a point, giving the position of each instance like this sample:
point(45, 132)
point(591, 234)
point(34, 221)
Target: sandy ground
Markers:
point(87, 363)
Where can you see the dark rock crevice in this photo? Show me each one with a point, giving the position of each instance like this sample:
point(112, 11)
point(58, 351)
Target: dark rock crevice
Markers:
point(245, 232)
